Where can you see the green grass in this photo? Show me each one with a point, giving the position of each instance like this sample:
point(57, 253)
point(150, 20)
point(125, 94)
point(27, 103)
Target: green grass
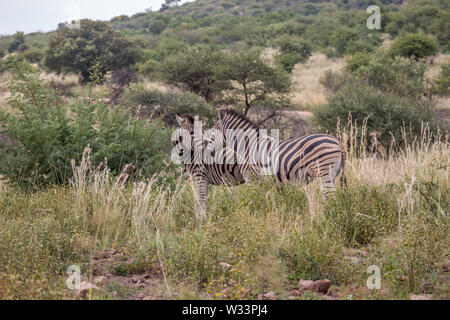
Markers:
point(394, 214)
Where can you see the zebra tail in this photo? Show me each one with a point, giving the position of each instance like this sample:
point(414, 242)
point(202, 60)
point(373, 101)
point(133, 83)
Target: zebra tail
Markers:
point(343, 164)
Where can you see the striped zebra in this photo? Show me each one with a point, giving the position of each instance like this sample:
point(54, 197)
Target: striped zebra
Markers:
point(201, 173)
point(243, 152)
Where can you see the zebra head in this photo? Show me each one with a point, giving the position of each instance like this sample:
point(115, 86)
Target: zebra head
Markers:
point(188, 139)
point(230, 128)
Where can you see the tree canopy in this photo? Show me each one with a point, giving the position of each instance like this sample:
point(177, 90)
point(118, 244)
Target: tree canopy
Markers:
point(76, 50)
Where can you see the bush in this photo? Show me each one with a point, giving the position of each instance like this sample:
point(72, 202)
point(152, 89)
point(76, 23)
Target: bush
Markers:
point(443, 81)
point(167, 105)
point(19, 39)
point(400, 76)
point(362, 214)
point(386, 113)
point(34, 55)
point(43, 134)
point(356, 61)
point(292, 51)
point(415, 46)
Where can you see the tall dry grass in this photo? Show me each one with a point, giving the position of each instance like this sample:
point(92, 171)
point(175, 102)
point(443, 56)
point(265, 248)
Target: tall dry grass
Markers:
point(394, 214)
point(308, 92)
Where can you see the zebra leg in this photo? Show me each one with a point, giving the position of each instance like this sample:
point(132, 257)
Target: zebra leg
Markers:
point(251, 175)
point(201, 197)
point(327, 185)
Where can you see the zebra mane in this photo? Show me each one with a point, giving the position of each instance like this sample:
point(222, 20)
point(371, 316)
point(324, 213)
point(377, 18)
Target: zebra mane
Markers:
point(231, 112)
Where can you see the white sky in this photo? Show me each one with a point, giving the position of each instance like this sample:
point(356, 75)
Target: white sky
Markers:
point(44, 15)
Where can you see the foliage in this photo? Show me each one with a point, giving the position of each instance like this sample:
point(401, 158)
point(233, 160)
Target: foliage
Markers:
point(76, 50)
point(415, 46)
point(356, 61)
point(156, 103)
point(442, 83)
point(195, 70)
point(18, 40)
point(292, 51)
point(254, 82)
point(401, 76)
point(34, 55)
point(43, 134)
point(384, 114)
point(256, 239)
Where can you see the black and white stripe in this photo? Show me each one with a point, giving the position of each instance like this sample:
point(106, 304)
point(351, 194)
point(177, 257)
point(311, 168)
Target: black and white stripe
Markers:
point(254, 153)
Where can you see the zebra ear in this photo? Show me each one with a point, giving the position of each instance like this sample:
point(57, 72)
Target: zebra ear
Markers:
point(222, 114)
point(180, 121)
point(196, 118)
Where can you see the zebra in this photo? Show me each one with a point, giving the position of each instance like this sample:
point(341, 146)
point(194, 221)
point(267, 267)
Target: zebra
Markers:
point(202, 174)
point(254, 154)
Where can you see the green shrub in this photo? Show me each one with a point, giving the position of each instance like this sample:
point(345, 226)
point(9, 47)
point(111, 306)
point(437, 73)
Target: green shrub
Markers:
point(415, 46)
point(43, 134)
point(386, 114)
point(443, 81)
point(34, 55)
point(356, 61)
point(292, 51)
point(359, 46)
point(167, 105)
point(362, 214)
point(401, 76)
point(18, 40)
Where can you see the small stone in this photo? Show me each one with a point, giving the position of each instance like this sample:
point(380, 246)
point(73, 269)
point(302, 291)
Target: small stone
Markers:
point(296, 293)
point(305, 284)
point(446, 266)
point(268, 296)
point(84, 287)
point(420, 297)
point(135, 279)
point(225, 265)
point(321, 286)
point(100, 281)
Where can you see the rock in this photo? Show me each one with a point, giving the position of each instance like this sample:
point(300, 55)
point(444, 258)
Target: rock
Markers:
point(141, 296)
point(268, 296)
point(420, 297)
point(100, 281)
point(225, 265)
point(85, 287)
point(319, 286)
point(135, 279)
point(446, 266)
point(295, 293)
point(305, 284)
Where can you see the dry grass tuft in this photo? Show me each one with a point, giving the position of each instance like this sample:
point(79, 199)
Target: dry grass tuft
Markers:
point(308, 92)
